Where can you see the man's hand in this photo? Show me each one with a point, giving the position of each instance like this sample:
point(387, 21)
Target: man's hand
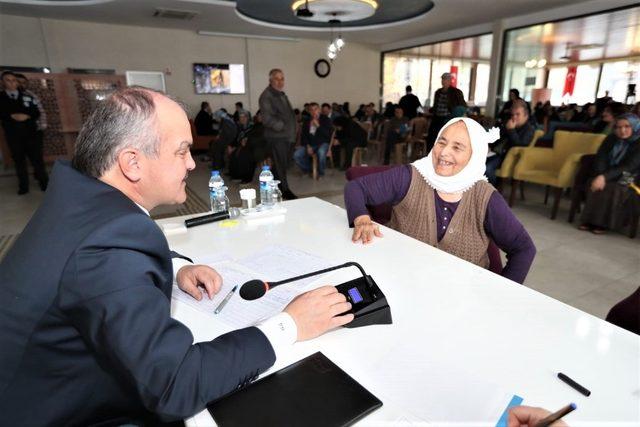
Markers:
point(191, 278)
point(364, 229)
point(317, 311)
point(598, 183)
point(511, 124)
point(521, 416)
point(19, 117)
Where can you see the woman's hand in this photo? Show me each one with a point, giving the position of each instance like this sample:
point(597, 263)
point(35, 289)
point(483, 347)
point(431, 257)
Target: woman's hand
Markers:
point(598, 183)
point(364, 229)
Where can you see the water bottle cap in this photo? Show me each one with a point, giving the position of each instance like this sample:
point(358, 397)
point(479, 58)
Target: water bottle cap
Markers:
point(215, 173)
point(265, 168)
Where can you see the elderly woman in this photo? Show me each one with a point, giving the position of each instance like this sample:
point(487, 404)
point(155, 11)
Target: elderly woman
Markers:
point(445, 201)
point(617, 163)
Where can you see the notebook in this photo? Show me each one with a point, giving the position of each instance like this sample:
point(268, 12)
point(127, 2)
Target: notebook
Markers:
point(311, 392)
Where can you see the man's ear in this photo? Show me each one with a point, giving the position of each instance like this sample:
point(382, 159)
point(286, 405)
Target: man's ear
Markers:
point(130, 164)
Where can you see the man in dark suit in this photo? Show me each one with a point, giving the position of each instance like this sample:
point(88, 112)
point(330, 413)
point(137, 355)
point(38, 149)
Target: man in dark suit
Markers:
point(409, 103)
point(86, 332)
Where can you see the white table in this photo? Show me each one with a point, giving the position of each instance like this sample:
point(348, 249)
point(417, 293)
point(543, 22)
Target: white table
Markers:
point(456, 317)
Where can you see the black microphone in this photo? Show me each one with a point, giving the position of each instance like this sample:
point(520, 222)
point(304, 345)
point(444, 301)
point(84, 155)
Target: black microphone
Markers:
point(254, 289)
point(217, 216)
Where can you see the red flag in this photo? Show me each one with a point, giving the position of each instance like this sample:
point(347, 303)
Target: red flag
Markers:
point(570, 80)
point(454, 75)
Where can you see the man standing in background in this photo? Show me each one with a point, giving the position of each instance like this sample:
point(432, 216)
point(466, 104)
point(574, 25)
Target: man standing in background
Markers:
point(445, 101)
point(279, 127)
point(409, 103)
point(19, 113)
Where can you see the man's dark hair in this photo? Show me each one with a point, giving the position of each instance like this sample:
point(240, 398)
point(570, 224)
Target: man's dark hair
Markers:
point(7, 73)
point(204, 105)
point(239, 104)
point(127, 118)
point(408, 88)
point(516, 92)
point(325, 104)
point(20, 76)
point(313, 104)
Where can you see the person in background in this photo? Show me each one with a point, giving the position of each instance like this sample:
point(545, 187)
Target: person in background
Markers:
point(239, 109)
point(204, 120)
point(409, 103)
point(241, 160)
point(389, 110)
point(517, 132)
point(88, 334)
point(444, 201)
point(19, 114)
point(607, 119)
point(279, 127)
point(315, 139)
point(349, 135)
point(346, 110)
point(326, 111)
point(23, 85)
point(616, 165)
point(398, 130)
point(306, 113)
point(505, 113)
point(445, 100)
point(227, 133)
point(360, 113)
point(257, 143)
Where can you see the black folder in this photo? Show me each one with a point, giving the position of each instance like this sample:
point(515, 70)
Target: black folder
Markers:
point(311, 392)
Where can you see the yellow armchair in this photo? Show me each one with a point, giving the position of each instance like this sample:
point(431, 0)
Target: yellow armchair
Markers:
point(555, 167)
point(513, 155)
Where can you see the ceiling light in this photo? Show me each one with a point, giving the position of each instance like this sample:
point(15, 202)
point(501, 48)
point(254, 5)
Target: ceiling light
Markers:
point(332, 48)
point(541, 63)
point(339, 43)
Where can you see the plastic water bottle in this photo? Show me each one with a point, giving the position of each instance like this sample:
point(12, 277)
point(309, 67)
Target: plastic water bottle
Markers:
point(215, 182)
point(276, 194)
point(221, 202)
point(265, 188)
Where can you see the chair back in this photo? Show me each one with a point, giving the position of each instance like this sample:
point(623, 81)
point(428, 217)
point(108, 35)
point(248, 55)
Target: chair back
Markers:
point(566, 143)
point(536, 135)
point(419, 127)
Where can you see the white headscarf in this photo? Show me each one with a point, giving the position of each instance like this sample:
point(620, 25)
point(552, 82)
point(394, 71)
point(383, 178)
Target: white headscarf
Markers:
point(473, 171)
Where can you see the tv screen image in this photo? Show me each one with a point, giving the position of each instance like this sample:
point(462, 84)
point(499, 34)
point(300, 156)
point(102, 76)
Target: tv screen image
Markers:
point(219, 78)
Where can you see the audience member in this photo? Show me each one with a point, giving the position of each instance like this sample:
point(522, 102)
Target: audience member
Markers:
point(279, 127)
point(444, 200)
point(88, 333)
point(204, 120)
point(617, 163)
point(242, 164)
point(315, 140)
point(505, 113)
point(626, 313)
point(256, 141)
point(360, 113)
point(236, 113)
point(397, 130)
point(227, 133)
point(349, 135)
point(306, 113)
point(19, 114)
point(607, 119)
point(445, 100)
point(326, 110)
point(517, 132)
point(389, 110)
point(409, 103)
point(345, 109)
point(23, 85)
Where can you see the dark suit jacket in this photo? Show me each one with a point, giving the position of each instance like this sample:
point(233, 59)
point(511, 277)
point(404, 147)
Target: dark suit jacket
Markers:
point(322, 135)
point(86, 334)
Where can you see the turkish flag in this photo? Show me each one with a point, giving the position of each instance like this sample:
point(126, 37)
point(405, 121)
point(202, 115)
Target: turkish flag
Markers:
point(570, 80)
point(454, 75)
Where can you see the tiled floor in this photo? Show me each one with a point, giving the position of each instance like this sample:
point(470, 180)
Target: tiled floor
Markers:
point(581, 269)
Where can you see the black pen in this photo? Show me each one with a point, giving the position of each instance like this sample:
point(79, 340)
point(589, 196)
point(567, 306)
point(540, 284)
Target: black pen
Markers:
point(547, 421)
point(573, 384)
point(225, 300)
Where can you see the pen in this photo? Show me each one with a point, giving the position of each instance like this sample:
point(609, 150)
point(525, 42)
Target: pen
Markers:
point(573, 384)
point(547, 421)
point(225, 300)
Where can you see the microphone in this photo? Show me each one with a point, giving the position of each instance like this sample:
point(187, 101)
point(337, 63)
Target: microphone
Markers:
point(232, 213)
point(254, 289)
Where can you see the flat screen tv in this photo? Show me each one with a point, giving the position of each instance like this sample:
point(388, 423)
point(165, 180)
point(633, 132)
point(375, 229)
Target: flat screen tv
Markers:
point(218, 78)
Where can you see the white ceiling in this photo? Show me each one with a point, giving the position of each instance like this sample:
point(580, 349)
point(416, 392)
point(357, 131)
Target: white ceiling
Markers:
point(217, 16)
